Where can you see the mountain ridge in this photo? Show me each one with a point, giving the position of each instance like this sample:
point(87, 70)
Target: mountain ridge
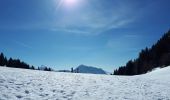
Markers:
point(89, 69)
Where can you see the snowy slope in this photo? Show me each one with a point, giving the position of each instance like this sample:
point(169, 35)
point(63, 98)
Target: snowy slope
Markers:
point(89, 69)
point(21, 84)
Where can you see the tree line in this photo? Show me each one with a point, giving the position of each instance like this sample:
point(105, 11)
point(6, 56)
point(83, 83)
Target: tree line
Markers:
point(149, 58)
point(17, 63)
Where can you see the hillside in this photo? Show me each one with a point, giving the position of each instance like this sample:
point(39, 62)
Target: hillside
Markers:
point(28, 84)
point(149, 58)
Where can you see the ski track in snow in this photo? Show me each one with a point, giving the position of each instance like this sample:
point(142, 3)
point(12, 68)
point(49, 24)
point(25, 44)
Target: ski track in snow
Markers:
point(21, 84)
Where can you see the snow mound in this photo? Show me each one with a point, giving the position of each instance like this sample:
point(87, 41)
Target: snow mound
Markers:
point(161, 71)
point(22, 84)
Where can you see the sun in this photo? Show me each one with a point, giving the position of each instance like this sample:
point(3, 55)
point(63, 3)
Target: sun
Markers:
point(70, 2)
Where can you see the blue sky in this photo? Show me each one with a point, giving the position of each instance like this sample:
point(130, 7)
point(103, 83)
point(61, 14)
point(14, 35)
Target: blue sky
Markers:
point(64, 34)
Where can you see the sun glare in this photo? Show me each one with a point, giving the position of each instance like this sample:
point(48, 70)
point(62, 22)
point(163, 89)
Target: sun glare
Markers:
point(70, 2)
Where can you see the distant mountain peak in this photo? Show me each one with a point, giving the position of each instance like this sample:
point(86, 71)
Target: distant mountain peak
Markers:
point(89, 69)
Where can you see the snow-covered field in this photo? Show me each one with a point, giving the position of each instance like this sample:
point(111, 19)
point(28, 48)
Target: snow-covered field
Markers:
point(21, 84)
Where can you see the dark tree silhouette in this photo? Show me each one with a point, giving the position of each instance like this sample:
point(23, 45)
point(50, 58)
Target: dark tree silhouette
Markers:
point(17, 63)
point(149, 58)
point(72, 70)
point(3, 60)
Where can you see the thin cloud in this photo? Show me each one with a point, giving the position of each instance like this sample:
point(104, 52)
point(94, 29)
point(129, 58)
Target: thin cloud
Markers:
point(59, 3)
point(131, 36)
point(117, 46)
point(72, 31)
point(23, 44)
point(95, 21)
point(129, 43)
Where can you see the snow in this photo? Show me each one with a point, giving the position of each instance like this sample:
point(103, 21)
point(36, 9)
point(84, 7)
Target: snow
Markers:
point(22, 84)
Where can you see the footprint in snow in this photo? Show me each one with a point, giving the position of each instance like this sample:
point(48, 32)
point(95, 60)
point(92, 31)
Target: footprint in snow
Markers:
point(62, 91)
point(71, 95)
point(26, 92)
point(53, 90)
point(41, 89)
point(2, 80)
point(44, 95)
point(19, 96)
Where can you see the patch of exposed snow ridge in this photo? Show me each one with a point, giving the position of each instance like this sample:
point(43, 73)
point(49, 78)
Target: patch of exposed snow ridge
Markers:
point(22, 84)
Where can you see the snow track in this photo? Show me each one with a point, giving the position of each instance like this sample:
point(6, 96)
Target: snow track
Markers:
point(21, 84)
